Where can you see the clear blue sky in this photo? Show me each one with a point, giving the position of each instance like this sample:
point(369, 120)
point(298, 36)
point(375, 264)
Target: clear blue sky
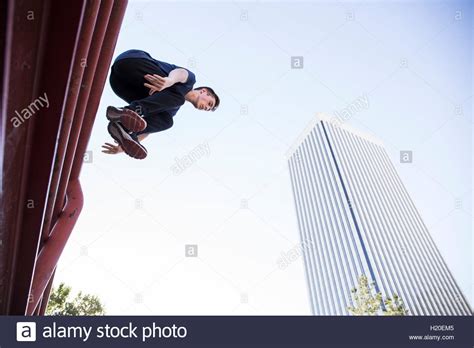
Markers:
point(412, 60)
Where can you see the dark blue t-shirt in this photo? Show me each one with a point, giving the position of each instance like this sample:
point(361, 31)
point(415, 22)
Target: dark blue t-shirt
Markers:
point(166, 68)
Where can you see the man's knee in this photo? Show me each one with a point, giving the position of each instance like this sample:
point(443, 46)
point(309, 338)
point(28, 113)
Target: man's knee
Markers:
point(158, 123)
point(168, 123)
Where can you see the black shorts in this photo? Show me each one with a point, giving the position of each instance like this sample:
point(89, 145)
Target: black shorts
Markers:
point(127, 77)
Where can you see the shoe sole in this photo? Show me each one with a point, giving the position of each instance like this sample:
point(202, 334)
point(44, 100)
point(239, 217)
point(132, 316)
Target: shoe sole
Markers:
point(131, 121)
point(129, 146)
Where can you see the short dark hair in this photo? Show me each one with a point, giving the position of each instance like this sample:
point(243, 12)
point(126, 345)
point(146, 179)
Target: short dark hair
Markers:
point(212, 93)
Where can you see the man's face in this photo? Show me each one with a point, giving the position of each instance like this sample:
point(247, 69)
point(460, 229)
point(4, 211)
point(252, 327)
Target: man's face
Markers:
point(205, 100)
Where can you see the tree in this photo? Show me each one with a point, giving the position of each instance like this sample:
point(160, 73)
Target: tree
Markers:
point(395, 306)
point(60, 303)
point(369, 302)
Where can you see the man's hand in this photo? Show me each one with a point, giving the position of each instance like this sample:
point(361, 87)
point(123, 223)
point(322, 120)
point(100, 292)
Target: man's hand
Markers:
point(111, 149)
point(158, 83)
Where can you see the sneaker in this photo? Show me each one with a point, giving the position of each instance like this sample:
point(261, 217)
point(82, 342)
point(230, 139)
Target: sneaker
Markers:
point(129, 145)
point(131, 121)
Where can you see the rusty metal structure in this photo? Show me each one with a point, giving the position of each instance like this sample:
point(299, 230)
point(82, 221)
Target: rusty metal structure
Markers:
point(54, 64)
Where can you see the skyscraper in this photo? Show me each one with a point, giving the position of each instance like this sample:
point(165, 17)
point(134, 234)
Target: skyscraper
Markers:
point(355, 218)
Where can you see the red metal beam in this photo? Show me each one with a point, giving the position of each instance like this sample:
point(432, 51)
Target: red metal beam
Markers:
point(106, 53)
point(20, 84)
point(5, 43)
point(65, 19)
point(52, 250)
point(6, 13)
point(78, 64)
point(45, 154)
point(103, 45)
point(44, 302)
point(88, 81)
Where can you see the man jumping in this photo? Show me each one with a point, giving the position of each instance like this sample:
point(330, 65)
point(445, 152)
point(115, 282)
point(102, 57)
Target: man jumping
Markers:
point(154, 91)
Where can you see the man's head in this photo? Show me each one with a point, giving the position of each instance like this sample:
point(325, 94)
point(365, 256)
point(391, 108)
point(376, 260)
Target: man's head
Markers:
point(207, 99)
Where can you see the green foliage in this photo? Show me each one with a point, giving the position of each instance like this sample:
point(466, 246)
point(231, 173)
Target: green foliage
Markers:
point(366, 301)
point(395, 306)
point(369, 302)
point(60, 303)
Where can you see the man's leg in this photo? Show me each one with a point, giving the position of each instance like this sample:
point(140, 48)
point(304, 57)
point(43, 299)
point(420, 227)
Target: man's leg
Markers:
point(127, 80)
point(156, 123)
point(129, 141)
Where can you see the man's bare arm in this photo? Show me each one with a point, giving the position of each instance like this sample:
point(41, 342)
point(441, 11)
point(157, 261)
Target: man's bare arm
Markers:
point(178, 75)
point(158, 83)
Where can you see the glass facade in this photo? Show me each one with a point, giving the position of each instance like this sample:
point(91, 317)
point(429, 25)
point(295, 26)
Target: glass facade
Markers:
point(355, 217)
